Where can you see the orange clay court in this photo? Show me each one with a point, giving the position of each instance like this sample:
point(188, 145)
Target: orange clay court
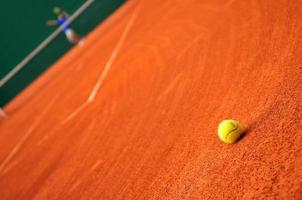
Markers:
point(133, 112)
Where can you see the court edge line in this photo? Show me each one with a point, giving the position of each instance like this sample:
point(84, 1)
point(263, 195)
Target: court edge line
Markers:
point(112, 57)
point(106, 68)
point(74, 113)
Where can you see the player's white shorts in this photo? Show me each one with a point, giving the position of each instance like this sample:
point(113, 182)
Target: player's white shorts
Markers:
point(69, 33)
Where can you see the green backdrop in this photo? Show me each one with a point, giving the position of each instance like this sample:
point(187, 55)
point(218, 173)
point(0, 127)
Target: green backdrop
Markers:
point(23, 29)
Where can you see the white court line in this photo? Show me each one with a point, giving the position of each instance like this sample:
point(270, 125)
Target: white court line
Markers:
point(113, 57)
point(106, 68)
point(25, 137)
point(79, 109)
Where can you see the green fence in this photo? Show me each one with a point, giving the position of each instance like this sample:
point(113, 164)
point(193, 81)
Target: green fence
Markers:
point(23, 29)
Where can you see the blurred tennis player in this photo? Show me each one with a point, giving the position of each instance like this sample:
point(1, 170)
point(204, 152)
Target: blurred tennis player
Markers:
point(63, 17)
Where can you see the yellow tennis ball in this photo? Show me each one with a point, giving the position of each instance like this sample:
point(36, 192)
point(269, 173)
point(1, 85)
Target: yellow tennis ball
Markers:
point(229, 131)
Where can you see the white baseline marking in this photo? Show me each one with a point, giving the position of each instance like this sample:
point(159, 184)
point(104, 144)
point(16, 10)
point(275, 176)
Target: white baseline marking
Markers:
point(113, 57)
point(25, 137)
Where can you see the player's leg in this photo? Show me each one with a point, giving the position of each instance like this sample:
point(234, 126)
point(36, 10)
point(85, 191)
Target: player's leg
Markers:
point(72, 36)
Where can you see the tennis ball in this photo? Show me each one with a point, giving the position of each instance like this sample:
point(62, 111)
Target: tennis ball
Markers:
point(56, 10)
point(229, 131)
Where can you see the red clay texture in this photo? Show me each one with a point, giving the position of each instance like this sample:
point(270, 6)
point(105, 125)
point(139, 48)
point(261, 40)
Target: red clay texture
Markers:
point(161, 75)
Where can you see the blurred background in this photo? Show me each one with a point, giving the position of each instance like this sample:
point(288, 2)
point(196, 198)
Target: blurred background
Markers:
point(23, 28)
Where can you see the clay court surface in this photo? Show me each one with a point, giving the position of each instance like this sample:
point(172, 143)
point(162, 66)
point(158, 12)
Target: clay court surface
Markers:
point(133, 112)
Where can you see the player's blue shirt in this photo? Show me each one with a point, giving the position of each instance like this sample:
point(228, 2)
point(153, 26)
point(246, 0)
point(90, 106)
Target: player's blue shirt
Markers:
point(62, 22)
